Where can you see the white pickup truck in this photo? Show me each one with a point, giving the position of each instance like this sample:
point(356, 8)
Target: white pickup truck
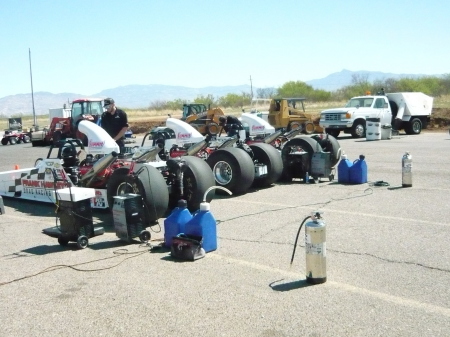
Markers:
point(409, 111)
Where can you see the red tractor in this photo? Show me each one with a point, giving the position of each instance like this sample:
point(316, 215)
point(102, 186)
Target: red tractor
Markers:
point(64, 122)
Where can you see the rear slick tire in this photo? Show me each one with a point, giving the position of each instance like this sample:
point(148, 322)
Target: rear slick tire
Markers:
point(294, 166)
point(330, 145)
point(266, 154)
point(197, 178)
point(233, 169)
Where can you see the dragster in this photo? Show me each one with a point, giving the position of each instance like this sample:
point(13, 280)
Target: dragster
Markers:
point(101, 167)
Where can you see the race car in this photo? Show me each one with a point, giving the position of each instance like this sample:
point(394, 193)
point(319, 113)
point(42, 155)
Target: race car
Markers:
point(101, 167)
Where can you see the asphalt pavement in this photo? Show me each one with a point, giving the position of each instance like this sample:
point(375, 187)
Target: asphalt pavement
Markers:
point(387, 251)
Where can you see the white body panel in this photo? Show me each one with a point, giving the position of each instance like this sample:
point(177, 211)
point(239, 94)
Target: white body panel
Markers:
point(256, 125)
point(413, 103)
point(185, 134)
point(38, 184)
point(99, 141)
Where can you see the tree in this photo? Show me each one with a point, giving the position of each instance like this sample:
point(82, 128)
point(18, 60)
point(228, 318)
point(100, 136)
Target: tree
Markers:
point(265, 92)
point(295, 89)
point(208, 100)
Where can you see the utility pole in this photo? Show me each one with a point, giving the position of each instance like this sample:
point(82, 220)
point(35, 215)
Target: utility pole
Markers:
point(251, 86)
point(32, 94)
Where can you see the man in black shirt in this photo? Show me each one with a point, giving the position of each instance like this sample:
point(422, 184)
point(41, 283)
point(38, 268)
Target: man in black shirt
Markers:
point(231, 125)
point(115, 122)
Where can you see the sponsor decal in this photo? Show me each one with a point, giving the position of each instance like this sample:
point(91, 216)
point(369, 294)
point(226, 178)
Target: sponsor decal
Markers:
point(98, 144)
point(258, 127)
point(44, 184)
point(184, 135)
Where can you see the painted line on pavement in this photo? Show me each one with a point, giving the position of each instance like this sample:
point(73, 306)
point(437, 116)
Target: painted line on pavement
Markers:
point(406, 302)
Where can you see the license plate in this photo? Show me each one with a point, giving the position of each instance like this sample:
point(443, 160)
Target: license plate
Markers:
point(260, 170)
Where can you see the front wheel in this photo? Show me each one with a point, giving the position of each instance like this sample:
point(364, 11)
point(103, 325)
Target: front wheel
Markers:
point(12, 140)
point(359, 129)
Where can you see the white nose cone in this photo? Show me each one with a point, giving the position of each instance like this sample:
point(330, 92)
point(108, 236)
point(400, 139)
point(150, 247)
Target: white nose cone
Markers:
point(99, 141)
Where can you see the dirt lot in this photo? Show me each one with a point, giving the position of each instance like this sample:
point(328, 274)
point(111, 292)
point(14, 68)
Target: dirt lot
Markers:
point(440, 120)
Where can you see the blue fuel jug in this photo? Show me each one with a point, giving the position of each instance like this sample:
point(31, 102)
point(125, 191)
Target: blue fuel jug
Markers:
point(175, 223)
point(203, 224)
point(358, 171)
point(344, 170)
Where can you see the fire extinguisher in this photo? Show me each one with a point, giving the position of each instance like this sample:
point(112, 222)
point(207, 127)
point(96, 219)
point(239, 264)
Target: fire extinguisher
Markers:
point(407, 170)
point(315, 248)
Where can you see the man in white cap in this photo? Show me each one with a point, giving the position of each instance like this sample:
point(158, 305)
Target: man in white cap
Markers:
point(115, 122)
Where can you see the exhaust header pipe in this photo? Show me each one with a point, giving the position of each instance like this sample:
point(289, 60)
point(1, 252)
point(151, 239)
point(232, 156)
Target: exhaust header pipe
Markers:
point(196, 148)
point(99, 165)
point(270, 138)
point(150, 154)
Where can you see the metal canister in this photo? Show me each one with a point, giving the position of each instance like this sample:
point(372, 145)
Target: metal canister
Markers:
point(407, 170)
point(315, 250)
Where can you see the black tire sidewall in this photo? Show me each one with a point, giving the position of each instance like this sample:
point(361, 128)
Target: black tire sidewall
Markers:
point(197, 178)
point(241, 165)
point(268, 155)
point(117, 177)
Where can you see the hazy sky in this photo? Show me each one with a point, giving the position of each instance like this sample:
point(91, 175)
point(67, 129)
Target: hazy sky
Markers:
point(86, 46)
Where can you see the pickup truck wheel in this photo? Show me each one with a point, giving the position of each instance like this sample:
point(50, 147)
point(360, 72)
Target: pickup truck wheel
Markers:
point(268, 155)
point(333, 132)
point(359, 129)
point(4, 141)
point(233, 169)
point(414, 127)
point(197, 178)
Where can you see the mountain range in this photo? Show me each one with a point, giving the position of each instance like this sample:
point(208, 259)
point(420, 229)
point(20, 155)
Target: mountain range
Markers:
point(141, 96)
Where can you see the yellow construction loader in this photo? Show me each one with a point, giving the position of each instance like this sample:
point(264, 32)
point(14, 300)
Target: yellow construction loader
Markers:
point(202, 118)
point(290, 114)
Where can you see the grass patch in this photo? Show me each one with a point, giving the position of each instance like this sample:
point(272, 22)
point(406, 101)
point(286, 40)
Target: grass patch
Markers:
point(144, 115)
